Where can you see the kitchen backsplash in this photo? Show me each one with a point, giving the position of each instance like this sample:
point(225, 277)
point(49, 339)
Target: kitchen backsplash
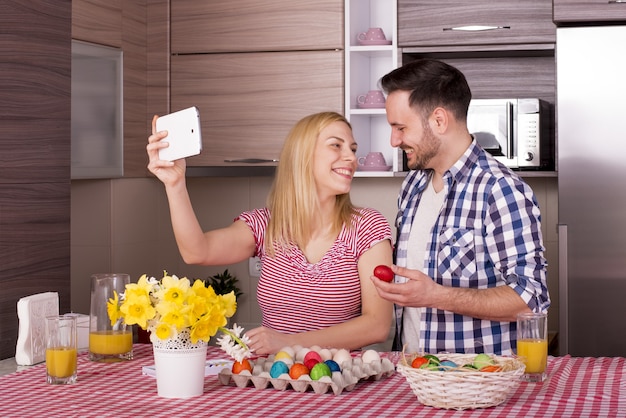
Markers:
point(123, 225)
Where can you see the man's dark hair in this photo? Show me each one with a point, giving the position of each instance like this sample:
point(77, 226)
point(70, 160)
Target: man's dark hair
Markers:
point(431, 84)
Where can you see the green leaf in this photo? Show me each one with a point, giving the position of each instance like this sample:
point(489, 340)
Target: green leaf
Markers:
point(224, 283)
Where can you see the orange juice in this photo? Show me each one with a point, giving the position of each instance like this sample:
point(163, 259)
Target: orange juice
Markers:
point(534, 353)
point(61, 361)
point(110, 342)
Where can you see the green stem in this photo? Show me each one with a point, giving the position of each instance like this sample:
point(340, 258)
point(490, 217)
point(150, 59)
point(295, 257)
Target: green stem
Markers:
point(233, 336)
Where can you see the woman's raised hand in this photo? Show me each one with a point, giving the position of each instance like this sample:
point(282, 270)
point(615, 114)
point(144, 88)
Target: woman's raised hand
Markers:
point(169, 172)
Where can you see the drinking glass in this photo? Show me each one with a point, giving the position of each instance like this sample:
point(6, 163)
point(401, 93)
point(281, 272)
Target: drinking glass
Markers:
point(61, 350)
point(532, 345)
point(108, 342)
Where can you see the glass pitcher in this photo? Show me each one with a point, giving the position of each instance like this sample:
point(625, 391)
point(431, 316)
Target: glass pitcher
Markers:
point(108, 342)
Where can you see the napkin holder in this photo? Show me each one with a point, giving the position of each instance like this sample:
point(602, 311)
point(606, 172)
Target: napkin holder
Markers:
point(82, 330)
point(31, 312)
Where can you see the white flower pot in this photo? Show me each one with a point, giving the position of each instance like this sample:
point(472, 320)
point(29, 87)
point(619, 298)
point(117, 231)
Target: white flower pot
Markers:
point(180, 369)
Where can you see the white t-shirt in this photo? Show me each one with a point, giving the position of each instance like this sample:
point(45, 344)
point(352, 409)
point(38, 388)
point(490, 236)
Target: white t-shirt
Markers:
point(419, 240)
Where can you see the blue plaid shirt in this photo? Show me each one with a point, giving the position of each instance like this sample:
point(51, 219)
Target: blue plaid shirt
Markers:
point(488, 234)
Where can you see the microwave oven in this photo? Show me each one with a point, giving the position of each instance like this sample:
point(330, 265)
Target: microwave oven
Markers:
point(517, 132)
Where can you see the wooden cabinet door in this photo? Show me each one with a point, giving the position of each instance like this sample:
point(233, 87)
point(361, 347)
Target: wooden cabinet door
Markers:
point(253, 25)
point(436, 22)
point(98, 21)
point(249, 101)
point(506, 76)
point(589, 11)
point(35, 148)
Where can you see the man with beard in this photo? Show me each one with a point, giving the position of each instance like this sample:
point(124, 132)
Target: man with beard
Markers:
point(469, 252)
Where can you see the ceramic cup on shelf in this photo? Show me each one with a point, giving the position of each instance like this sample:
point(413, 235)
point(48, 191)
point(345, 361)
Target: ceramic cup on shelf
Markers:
point(372, 34)
point(373, 159)
point(373, 98)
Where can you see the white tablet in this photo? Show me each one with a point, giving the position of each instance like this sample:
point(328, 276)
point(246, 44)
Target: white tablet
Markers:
point(184, 136)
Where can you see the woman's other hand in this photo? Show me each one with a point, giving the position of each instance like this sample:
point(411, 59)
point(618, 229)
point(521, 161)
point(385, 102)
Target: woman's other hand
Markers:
point(267, 341)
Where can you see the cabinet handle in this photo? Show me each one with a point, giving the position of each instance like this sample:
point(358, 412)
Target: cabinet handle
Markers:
point(478, 28)
point(616, 1)
point(251, 160)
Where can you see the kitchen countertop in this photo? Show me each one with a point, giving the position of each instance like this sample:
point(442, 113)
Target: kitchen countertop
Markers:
point(9, 365)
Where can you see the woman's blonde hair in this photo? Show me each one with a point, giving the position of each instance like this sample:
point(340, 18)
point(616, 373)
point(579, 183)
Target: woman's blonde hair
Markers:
point(292, 201)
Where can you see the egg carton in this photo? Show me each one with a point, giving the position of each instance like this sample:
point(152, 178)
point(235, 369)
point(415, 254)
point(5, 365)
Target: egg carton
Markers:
point(352, 372)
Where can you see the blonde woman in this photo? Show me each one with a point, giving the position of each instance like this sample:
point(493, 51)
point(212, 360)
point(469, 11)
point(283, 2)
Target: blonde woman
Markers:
point(318, 251)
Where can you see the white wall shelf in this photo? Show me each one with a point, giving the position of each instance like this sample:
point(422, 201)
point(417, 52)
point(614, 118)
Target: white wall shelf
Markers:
point(364, 66)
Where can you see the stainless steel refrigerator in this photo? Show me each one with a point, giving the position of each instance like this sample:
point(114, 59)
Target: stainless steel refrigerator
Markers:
point(591, 129)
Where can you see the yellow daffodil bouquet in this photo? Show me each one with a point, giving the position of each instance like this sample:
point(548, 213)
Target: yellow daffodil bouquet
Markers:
point(173, 305)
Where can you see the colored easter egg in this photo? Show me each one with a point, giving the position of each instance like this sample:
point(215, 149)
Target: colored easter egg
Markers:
point(285, 357)
point(311, 359)
point(447, 365)
point(320, 370)
point(279, 367)
point(297, 370)
point(289, 350)
point(311, 362)
point(332, 365)
point(238, 367)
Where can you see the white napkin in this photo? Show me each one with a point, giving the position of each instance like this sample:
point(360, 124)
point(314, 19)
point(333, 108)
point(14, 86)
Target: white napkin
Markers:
point(31, 340)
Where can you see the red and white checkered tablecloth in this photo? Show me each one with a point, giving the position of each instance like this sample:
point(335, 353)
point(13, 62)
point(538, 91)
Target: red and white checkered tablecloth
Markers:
point(581, 387)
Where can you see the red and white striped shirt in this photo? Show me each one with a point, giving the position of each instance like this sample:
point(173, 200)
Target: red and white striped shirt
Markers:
point(296, 296)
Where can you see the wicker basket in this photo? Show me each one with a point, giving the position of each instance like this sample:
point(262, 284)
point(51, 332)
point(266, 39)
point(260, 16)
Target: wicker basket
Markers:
point(463, 388)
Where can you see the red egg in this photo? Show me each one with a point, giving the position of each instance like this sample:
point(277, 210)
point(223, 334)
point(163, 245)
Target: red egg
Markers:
point(313, 355)
point(311, 359)
point(310, 363)
point(384, 273)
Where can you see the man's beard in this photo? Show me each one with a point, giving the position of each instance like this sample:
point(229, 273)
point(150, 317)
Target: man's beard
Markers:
point(428, 149)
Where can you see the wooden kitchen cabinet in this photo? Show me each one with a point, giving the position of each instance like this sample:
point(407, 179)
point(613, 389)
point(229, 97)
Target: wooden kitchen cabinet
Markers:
point(249, 101)
point(508, 75)
point(504, 74)
point(514, 60)
point(505, 49)
point(570, 11)
point(252, 25)
point(439, 22)
point(97, 21)
point(35, 147)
